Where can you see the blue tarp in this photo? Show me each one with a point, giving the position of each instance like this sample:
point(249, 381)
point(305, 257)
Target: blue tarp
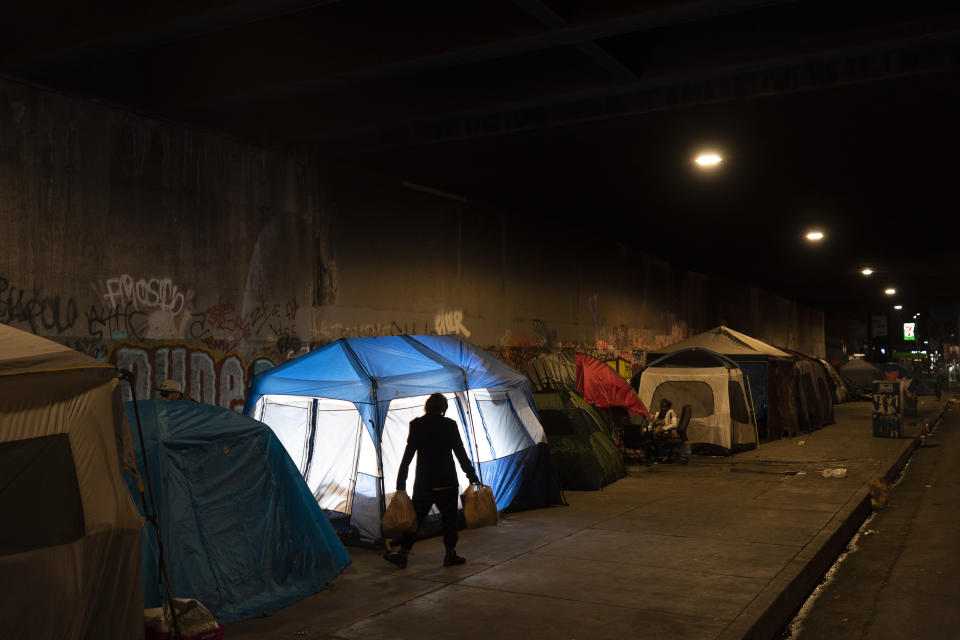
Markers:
point(371, 373)
point(241, 532)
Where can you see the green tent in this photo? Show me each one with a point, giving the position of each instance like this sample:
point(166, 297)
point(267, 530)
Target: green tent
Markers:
point(580, 439)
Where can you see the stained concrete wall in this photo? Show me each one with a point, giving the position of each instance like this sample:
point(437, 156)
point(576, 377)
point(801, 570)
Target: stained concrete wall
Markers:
point(185, 254)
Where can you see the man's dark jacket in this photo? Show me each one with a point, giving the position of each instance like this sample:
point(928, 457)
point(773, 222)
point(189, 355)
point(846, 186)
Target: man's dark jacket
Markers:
point(432, 437)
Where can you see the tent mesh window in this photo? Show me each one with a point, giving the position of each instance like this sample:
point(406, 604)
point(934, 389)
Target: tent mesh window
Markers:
point(39, 495)
point(738, 403)
point(697, 394)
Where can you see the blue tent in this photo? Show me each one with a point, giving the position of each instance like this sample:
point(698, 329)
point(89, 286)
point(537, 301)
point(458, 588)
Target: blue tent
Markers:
point(343, 411)
point(241, 532)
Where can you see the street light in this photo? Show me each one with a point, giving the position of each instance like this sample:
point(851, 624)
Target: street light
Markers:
point(867, 271)
point(890, 291)
point(708, 159)
point(814, 236)
point(898, 307)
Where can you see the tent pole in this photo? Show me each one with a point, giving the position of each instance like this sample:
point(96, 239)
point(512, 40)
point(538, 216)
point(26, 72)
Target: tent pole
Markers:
point(753, 411)
point(151, 515)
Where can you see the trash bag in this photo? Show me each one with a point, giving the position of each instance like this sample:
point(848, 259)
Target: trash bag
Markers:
point(193, 619)
point(479, 507)
point(400, 516)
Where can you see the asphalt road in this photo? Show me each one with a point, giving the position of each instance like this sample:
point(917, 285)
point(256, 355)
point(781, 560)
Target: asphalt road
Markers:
point(902, 578)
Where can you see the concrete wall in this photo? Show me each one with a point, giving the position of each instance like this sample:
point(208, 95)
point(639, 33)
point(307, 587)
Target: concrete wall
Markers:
point(185, 254)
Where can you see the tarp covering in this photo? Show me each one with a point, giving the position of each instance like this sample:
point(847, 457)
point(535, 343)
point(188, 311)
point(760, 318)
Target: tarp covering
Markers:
point(720, 418)
point(70, 535)
point(242, 533)
point(595, 381)
point(342, 412)
point(581, 448)
point(602, 387)
point(859, 375)
point(837, 384)
point(553, 372)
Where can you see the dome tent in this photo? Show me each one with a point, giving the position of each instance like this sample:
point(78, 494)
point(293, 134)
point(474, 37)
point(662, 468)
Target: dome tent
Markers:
point(713, 386)
point(769, 373)
point(70, 541)
point(242, 533)
point(342, 412)
point(859, 376)
point(581, 448)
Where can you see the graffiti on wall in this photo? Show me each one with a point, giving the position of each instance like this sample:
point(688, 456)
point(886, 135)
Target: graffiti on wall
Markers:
point(35, 310)
point(152, 308)
point(206, 377)
point(443, 323)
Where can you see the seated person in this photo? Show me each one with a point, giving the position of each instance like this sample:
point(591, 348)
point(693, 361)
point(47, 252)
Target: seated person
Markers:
point(665, 420)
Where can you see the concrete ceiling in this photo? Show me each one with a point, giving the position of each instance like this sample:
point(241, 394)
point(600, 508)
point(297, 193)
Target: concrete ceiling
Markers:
point(584, 113)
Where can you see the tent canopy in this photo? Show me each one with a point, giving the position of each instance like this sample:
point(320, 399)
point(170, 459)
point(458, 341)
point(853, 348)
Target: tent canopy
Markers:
point(71, 534)
point(371, 372)
point(343, 411)
point(725, 341)
point(242, 533)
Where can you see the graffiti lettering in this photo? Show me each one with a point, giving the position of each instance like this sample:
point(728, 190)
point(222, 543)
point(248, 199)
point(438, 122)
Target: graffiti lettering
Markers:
point(36, 310)
point(145, 293)
point(205, 377)
point(450, 322)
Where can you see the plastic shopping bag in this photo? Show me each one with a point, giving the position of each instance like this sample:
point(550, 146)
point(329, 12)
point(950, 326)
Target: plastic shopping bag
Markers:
point(479, 507)
point(400, 516)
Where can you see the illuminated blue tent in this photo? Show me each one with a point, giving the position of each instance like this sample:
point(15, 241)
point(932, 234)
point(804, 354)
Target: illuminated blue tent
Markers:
point(343, 412)
point(241, 532)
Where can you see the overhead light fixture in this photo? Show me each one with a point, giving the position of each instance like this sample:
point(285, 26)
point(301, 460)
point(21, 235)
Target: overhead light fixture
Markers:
point(898, 307)
point(867, 271)
point(709, 159)
point(890, 291)
point(814, 236)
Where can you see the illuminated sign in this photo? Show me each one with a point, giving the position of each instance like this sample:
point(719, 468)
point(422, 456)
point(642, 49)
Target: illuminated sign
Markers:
point(908, 330)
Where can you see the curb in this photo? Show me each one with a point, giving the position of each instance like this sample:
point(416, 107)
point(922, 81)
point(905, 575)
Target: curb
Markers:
point(772, 609)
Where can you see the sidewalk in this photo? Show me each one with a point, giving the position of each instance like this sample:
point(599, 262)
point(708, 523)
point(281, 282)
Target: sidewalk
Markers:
point(721, 548)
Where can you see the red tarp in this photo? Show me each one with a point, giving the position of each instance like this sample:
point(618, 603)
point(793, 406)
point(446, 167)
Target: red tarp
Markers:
point(602, 387)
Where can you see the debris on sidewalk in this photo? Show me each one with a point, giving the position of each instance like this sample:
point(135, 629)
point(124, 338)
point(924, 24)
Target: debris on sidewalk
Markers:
point(800, 443)
point(839, 472)
point(879, 493)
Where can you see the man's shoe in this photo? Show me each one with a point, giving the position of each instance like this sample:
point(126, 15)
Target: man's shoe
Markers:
point(397, 558)
point(452, 559)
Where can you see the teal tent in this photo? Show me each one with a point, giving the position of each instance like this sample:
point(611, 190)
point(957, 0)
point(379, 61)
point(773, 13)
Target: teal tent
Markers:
point(241, 532)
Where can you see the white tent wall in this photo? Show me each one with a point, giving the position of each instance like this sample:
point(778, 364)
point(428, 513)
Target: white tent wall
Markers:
point(711, 421)
point(343, 471)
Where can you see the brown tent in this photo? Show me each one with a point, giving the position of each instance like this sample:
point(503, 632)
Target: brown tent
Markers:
point(70, 543)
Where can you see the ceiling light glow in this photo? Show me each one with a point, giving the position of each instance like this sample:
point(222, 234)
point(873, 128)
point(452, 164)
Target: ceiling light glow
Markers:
point(867, 271)
point(815, 236)
point(898, 307)
point(890, 291)
point(708, 159)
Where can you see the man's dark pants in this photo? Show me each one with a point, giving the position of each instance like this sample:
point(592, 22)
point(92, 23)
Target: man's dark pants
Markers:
point(446, 501)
